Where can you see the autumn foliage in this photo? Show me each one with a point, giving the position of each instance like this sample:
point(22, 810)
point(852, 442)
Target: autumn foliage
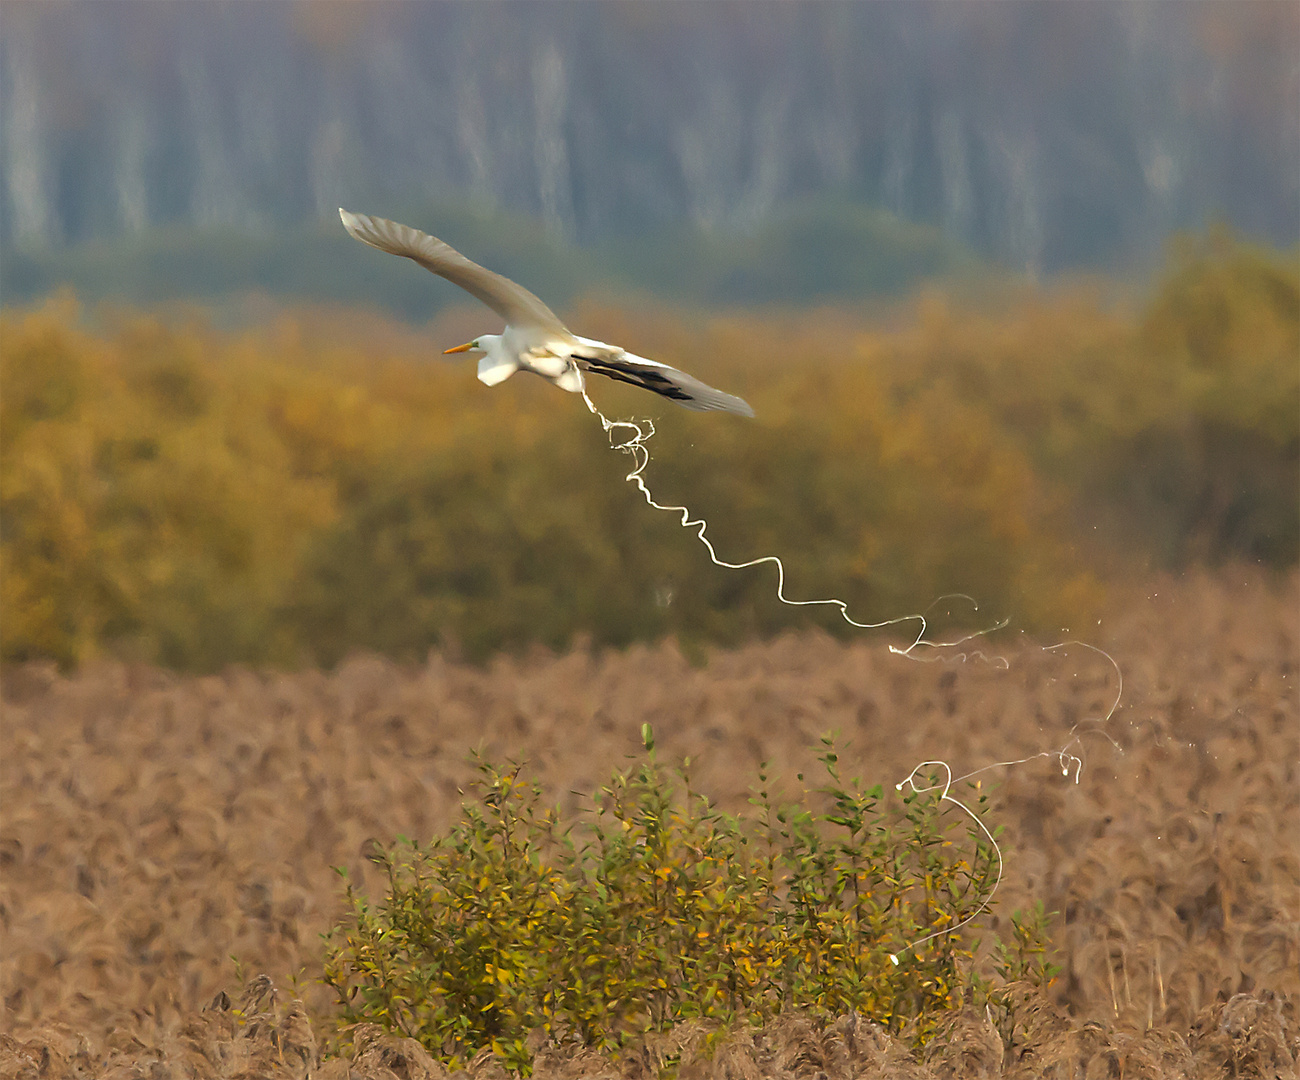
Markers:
point(287, 491)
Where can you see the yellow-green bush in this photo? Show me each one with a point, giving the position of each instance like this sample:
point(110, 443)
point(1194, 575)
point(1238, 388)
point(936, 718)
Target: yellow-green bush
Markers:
point(1220, 461)
point(146, 501)
point(656, 908)
point(312, 484)
point(1178, 430)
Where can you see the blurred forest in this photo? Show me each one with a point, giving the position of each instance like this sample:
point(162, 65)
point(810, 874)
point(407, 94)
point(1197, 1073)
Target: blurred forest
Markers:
point(814, 251)
point(1043, 136)
point(193, 492)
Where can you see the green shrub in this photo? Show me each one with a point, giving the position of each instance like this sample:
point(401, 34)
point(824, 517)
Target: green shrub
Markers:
point(175, 492)
point(656, 908)
point(1217, 466)
point(1176, 431)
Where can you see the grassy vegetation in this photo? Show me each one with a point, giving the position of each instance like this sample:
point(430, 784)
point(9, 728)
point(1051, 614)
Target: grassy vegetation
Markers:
point(655, 908)
point(311, 484)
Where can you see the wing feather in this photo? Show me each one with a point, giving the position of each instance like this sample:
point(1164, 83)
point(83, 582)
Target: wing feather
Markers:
point(512, 302)
point(666, 381)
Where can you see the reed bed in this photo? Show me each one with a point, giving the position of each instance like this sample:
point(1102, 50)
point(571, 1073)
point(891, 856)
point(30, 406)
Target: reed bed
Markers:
point(153, 826)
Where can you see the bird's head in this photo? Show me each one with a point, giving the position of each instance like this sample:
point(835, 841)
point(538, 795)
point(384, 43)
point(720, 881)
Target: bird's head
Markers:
point(478, 345)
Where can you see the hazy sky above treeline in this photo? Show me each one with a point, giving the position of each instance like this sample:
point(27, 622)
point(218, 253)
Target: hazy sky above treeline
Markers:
point(1045, 135)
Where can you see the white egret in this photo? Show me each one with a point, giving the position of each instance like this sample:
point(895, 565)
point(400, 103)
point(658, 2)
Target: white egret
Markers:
point(534, 338)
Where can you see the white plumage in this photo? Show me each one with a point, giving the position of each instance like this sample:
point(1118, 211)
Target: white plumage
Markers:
point(534, 338)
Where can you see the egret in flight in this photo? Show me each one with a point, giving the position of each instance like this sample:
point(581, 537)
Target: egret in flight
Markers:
point(534, 338)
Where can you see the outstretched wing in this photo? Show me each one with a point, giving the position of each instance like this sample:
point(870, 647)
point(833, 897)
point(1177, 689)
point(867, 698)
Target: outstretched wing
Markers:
point(684, 389)
point(512, 302)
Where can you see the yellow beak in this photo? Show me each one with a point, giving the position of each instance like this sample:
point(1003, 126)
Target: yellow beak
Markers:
point(459, 348)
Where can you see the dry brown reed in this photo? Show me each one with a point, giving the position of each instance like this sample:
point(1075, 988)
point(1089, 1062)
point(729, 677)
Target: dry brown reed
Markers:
point(152, 826)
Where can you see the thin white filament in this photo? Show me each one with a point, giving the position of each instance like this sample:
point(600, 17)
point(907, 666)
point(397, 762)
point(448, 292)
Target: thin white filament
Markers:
point(910, 781)
point(634, 445)
point(639, 432)
point(1065, 759)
